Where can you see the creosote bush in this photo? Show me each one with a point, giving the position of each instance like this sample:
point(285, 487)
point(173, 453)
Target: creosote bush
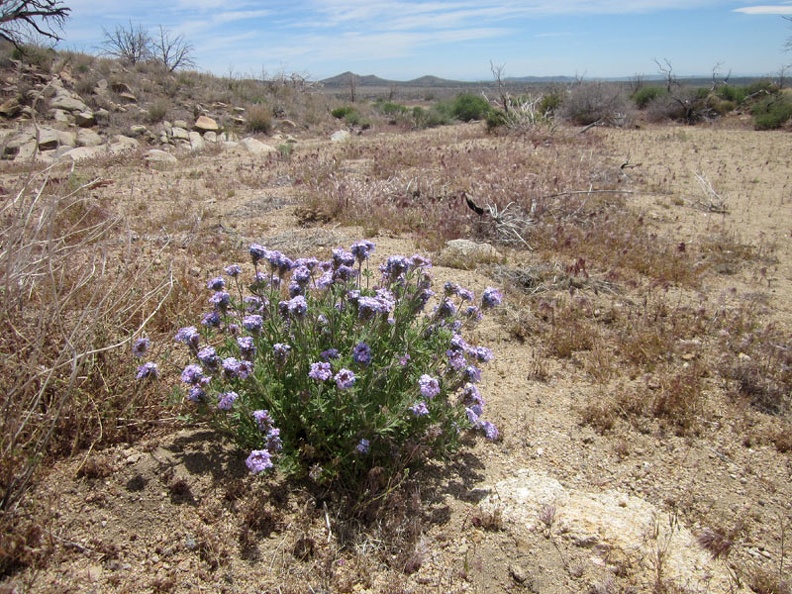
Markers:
point(333, 374)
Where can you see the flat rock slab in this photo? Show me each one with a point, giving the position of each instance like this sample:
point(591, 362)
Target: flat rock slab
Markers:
point(608, 523)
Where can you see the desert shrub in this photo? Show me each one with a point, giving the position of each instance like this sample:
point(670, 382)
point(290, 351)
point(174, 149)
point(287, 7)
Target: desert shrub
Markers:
point(467, 107)
point(332, 374)
point(67, 309)
point(550, 103)
point(687, 104)
point(731, 93)
point(595, 102)
point(772, 112)
point(496, 118)
point(259, 119)
point(389, 108)
point(35, 55)
point(431, 118)
point(645, 95)
point(342, 112)
point(158, 111)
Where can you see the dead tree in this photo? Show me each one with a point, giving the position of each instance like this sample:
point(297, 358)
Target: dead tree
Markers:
point(172, 53)
point(129, 44)
point(503, 93)
point(18, 18)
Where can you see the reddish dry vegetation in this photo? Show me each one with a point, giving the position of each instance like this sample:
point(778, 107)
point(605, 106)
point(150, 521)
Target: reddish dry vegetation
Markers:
point(647, 326)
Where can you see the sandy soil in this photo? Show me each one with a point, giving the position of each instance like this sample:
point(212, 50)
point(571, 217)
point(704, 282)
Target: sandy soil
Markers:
point(173, 513)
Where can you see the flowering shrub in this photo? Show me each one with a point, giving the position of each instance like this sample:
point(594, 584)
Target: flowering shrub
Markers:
point(324, 371)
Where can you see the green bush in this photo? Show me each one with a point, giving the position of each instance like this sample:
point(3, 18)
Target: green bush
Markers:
point(496, 118)
point(772, 112)
point(331, 372)
point(467, 107)
point(731, 93)
point(158, 111)
point(550, 103)
point(389, 108)
point(645, 95)
point(341, 113)
point(431, 118)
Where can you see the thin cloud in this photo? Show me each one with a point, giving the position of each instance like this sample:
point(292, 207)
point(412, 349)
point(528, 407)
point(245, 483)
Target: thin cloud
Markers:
point(765, 9)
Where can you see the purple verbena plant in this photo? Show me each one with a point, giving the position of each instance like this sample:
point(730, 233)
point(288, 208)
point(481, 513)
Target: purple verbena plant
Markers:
point(326, 371)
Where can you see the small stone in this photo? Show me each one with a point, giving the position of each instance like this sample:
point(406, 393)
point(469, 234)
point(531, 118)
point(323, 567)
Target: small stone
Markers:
point(518, 573)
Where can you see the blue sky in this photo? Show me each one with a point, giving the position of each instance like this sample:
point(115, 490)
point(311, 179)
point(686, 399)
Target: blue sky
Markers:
point(457, 39)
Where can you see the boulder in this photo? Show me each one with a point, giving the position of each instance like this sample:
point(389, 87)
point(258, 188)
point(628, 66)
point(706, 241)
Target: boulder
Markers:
point(256, 147)
point(68, 102)
point(118, 86)
point(611, 524)
point(179, 133)
point(85, 119)
point(10, 108)
point(196, 141)
point(87, 137)
point(159, 156)
point(102, 116)
point(206, 124)
point(82, 153)
point(62, 117)
point(210, 137)
point(123, 144)
point(340, 136)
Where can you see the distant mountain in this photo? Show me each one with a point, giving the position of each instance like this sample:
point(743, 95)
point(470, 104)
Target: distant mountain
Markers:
point(369, 80)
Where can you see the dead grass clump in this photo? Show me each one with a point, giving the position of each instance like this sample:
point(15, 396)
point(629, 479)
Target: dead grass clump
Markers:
point(757, 362)
point(766, 581)
point(68, 306)
point(259, 119)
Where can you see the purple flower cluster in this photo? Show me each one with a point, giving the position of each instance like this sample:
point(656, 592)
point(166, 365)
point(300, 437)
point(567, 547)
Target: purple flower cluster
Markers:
point(430, 387)
point(234, 368)
point(320, 371)
point(344, 379)
point(363, 446)
point(259, 461)
point(188, 336)
point(147, 371)
point(225, 401)
point(140, 347)
point(216, 284)
point(329, 354)
point(220, 300)
point(212, 319)
point(341, 257)
point(474, 407)
point(208, 357)
point(362, 250)
point(253, 323)
point(281, 352)
point(267, 426)
point(255, 304)
point(419, 409)
point(361, 354)
point(247, 347)
point(233, 270)
point(193, 375)
point(491, 298)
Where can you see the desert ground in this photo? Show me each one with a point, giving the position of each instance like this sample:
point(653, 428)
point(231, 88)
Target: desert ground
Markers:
point(641, 379)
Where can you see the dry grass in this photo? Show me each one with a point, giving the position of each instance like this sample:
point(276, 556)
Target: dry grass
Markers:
point(72, 299)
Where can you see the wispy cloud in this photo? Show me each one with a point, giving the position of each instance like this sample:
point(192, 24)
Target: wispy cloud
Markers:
point(783, 9)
